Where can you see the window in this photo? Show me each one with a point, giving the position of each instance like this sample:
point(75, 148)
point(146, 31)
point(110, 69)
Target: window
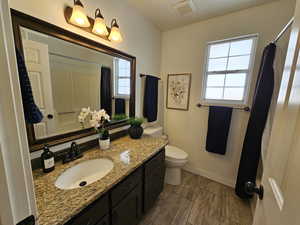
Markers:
point(228, 70)
point(122, 77)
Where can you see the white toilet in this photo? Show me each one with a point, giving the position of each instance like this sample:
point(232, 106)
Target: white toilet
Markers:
point(175, 158)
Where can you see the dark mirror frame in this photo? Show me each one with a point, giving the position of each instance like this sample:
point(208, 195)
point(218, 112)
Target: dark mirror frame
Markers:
point(19, 20)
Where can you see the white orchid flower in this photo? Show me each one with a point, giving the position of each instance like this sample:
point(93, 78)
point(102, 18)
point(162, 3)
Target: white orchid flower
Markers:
point(97, 119)
point(94, 123)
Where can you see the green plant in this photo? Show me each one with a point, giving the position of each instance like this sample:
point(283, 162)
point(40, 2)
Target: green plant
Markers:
point(118, 117)
point(104, 133)
point(136, 121)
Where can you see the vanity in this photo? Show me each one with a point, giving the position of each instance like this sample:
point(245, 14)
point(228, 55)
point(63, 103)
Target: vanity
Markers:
point(69, 73)
point(121, 197)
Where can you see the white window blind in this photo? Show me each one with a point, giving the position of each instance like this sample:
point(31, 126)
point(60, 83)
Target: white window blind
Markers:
point(122, 77)
point(228, 71)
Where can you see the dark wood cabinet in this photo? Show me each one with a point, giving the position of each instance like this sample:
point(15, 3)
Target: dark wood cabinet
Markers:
point(129, 210)
point(124, 187)
point(92, 214)
point(126, 202)
point(104, 221)
point(154, 175)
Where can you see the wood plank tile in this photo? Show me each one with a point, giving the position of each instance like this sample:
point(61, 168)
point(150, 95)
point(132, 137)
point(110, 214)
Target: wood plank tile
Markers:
point(198, 201)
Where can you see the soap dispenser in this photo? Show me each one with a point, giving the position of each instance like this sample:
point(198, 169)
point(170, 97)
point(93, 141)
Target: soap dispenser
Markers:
point(47, 158)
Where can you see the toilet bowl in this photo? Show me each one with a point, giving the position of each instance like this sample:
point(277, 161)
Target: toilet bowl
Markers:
point(175, 157)
point(175, 160)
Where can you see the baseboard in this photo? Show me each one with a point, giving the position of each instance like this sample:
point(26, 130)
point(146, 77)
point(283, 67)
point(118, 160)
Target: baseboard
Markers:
point(211, 176)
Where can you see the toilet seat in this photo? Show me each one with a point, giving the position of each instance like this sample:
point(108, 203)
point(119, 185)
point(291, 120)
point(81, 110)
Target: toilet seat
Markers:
point(175, 154)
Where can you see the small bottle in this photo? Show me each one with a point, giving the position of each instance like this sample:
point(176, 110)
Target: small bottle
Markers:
point(47, 158)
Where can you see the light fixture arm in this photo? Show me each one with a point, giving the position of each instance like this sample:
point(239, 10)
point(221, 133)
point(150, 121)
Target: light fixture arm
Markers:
point(114, 23)
point(98, 14)
point(78, 2)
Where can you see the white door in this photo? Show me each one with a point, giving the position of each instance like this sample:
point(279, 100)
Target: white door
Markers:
point(281, 175)
point(37, 63)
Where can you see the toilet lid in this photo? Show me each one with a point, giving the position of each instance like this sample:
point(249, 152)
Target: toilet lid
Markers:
point(175, 153)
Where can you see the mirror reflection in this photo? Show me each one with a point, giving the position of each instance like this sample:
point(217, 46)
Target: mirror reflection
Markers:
point(66, 78)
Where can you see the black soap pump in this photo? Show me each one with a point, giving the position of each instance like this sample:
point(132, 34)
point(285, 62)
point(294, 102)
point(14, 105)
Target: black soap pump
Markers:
point(47, 158)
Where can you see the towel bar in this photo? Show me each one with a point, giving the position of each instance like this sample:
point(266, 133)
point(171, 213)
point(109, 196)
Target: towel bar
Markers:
point(246, 109)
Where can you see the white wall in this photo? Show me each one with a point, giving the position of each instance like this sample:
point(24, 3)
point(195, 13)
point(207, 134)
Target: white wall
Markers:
point(141, 38)
point(16, 185)
point(183, 50)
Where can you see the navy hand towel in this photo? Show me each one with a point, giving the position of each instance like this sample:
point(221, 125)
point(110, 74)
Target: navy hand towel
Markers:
point(218, 128)
point(32, 112)
point(151, 98)
point(106, 92)
point(120, 106)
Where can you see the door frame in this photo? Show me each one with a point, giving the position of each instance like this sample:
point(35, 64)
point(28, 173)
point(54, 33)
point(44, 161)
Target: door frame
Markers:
point(16, 181)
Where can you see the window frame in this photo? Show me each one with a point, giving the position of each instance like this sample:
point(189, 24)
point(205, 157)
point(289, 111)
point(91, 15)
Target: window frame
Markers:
point(249, 72)
point(117, 78)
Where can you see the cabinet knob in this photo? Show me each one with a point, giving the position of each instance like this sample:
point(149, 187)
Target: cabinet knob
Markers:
point(50, 116)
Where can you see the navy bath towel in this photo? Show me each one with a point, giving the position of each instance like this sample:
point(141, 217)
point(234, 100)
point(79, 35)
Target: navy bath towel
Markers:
point(151, 98)
point(218, 128)
point(120, 106)
point(31, 111)
point(106, 90)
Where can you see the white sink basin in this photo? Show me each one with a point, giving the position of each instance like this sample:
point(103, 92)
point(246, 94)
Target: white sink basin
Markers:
point(84, 173)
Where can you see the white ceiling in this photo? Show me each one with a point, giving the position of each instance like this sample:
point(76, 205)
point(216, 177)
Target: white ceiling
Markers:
point(164, 15)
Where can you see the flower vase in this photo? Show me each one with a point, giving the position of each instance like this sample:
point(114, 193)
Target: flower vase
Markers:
point(104, 144)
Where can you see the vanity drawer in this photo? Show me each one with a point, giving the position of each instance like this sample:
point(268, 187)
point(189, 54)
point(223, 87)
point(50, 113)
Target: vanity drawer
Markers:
point(92, 214)
point(125, 186)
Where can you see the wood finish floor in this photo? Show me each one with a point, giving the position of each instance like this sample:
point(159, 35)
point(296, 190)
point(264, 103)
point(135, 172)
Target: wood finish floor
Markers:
point(198, 201)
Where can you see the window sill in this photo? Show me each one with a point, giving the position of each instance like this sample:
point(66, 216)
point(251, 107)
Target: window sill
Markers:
point(126, 97)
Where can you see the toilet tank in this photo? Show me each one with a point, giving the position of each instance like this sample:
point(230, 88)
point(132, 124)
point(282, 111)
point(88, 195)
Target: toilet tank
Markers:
point(153, 131)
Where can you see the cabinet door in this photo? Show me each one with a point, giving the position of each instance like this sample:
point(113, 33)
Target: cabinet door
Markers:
point(104, 221)
point(93, 213)
point(125, 186)
point(154, 179)
point(129, 210)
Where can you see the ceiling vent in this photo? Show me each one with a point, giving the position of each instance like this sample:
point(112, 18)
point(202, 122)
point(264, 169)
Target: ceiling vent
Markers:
point(185, 7)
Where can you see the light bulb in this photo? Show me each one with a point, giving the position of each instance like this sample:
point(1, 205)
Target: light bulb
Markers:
point(78, 17)
point(99, 24)
point(115, 34)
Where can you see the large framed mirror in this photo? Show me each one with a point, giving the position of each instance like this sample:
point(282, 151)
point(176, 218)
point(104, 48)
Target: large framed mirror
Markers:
point(69, 72)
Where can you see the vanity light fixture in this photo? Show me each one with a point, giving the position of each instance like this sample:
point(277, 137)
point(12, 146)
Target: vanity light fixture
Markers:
point(115, 34)
point(76, 16)
point(79, 17)
point(99, 27)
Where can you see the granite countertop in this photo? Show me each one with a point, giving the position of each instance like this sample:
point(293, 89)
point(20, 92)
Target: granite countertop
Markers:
point(56, 206)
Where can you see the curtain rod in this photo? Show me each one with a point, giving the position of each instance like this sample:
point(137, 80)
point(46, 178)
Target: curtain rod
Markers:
point(144, 75)
point(246, 109)
point(284, 30)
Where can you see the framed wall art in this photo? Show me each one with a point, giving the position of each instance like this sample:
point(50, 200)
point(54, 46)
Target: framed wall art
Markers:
point(178, 91)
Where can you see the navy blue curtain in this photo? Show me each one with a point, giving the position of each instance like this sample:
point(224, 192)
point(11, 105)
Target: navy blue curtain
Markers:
point(151, 98)
point(106, 90)
point(32, 112)
point(259, 113)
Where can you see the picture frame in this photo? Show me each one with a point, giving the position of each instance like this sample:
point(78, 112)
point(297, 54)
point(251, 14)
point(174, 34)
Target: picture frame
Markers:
point(178, 91)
